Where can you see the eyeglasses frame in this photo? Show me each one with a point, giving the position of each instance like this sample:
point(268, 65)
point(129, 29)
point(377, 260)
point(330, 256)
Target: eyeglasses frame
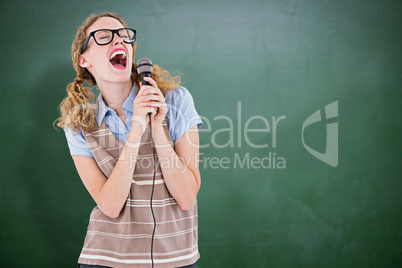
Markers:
point(116, 31)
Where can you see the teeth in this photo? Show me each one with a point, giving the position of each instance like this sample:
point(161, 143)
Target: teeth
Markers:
point(117, 53)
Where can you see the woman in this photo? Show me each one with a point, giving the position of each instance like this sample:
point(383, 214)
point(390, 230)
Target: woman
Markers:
point(112, 149)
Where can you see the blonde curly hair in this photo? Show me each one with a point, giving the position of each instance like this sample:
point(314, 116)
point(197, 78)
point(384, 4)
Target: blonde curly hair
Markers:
point(78, 108)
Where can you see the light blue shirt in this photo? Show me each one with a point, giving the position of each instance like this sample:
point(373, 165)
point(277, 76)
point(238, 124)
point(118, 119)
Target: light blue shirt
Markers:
point(181, 116)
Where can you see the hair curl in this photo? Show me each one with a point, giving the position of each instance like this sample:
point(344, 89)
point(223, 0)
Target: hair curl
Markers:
point(78, 108)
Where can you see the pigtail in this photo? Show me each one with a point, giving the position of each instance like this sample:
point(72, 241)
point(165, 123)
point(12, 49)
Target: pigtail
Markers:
point(77, 109)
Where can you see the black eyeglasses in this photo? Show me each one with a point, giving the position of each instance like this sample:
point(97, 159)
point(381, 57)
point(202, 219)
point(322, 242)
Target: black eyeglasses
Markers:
point(105, 36)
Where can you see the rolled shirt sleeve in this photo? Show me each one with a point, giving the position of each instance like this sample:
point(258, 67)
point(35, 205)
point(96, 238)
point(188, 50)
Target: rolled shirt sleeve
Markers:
point(182, 114)
point(77, 143)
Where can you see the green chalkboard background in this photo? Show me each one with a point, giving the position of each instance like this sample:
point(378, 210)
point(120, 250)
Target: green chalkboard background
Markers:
point(240, 59)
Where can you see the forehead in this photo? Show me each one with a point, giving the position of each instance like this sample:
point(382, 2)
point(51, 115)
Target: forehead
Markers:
point(105, 23)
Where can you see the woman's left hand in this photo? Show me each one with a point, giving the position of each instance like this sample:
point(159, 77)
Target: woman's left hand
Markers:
point(154, 98)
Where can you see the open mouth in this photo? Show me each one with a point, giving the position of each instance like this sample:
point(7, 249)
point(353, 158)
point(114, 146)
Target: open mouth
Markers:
point(118, 59)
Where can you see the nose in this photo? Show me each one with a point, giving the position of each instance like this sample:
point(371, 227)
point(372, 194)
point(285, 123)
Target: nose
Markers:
point(117, 39)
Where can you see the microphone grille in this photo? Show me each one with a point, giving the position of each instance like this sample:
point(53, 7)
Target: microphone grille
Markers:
point(144, 65)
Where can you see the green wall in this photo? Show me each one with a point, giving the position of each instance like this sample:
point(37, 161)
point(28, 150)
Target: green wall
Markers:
point(269, 58)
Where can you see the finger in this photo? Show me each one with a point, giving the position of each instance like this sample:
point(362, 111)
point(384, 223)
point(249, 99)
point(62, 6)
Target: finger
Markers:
point(156, 104)
point(143, 88)
point(152, 110)
point(153, 97)
point(147, 90)
point(151, 81)
point(139, 92)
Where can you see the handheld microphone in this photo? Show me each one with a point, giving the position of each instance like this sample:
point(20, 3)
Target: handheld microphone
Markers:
point(144, 68)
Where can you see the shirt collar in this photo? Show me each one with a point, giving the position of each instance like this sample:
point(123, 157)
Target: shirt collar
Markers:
point(102, 108)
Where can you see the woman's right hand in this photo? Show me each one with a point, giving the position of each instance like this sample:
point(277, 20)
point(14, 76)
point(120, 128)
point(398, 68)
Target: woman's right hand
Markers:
point(141, 111)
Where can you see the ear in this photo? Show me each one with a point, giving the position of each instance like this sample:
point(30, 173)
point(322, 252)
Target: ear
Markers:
point(83, 62)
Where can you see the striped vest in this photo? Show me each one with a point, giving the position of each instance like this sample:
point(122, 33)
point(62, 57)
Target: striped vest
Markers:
point(126, 241)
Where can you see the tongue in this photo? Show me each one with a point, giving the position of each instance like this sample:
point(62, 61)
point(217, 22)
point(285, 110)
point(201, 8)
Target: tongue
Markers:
point(118, 62)
point(118, 65)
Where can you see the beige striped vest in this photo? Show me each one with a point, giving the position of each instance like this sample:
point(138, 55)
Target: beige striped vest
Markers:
point(126, 241)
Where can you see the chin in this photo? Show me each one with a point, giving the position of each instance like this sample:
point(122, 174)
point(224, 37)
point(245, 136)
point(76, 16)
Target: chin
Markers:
point(121, 80)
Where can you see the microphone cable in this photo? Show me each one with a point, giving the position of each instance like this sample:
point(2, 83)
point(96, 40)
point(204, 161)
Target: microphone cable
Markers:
point(144, 69)
point(152, 192)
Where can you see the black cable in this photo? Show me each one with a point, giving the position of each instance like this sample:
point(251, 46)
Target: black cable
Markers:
point(152, 193)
